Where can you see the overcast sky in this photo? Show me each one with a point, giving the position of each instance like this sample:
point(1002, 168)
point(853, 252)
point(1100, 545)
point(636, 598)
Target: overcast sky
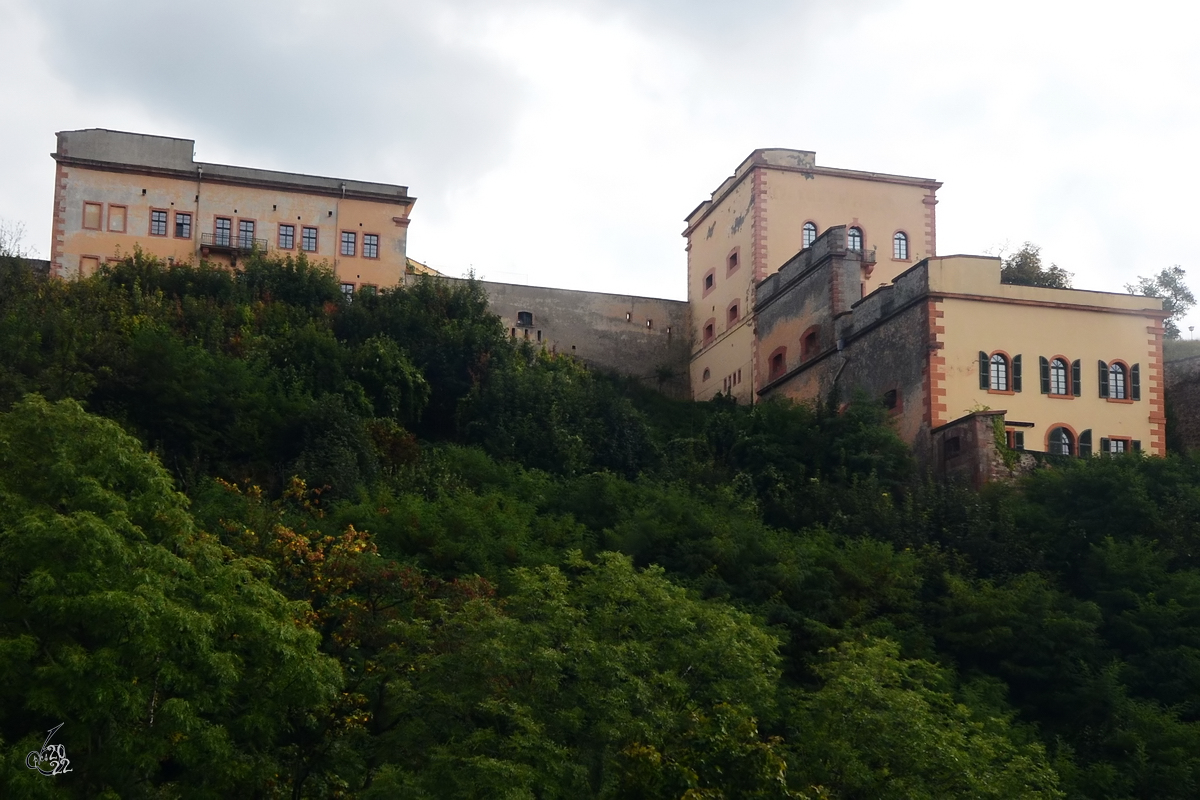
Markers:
point(561, 143)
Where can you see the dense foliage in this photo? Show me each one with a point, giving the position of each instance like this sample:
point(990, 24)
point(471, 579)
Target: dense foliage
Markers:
point(257, 539)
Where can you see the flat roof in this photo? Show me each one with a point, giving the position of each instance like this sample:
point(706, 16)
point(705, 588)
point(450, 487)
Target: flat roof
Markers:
point(141, 153)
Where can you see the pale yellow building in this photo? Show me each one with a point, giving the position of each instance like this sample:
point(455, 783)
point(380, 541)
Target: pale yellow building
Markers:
point(945, 343)
point(776, 203)
point(114, 191)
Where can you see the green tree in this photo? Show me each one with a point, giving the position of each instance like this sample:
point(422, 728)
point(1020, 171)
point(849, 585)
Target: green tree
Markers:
point(1176, 296)
point(1025, 268)
point(173, 666)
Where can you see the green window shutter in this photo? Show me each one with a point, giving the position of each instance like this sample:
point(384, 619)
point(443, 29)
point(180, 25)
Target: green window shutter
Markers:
point(1016, 373)
point(1135, 381)
point(1076, 377)
point(1045, 368)
point(1104, 446)
point(1085, 443)
point(1137, 446)
point(1103, 372)
point(984, 365)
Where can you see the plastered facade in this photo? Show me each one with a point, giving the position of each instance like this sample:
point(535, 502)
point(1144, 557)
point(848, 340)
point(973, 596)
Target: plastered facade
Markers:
point(754, 222)
point(918, 341)
point(115, 191)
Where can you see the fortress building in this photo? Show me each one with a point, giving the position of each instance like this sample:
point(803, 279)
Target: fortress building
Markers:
point(804, 281)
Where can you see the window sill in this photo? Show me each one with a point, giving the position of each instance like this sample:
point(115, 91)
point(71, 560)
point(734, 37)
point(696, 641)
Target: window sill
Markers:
point(1001, 391)
point(903, 260)
point(1061, 396)
point(1122, 400)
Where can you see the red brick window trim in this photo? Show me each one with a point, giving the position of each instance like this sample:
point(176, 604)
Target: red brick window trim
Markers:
point(810, 342)
point(118, 218)
point(709, 331)
point(733, 314)
point(1056, 447)
point(777, 363)
point(1000, 374)
point(93, 216)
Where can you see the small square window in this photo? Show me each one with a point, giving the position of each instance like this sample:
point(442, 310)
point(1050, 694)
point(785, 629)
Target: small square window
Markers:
point(158, 223)
point(349, 243)
point(183, 225)
point(308, 240)
point(91, 216)
point(287, 237)
point(370, 245)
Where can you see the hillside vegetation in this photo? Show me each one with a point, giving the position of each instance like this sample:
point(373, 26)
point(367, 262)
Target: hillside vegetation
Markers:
point(257, 540)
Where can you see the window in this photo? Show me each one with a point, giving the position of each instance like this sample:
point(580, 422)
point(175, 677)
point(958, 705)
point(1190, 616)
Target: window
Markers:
point(1085, 444)
point(91, 216)
point(1018, 440)
point(287, 237)
point(158, 223)
point(1054, 377)
point(808, 344)
point(1116, 381)
point(349, 243)
point(708, 333)
point(183, 225)
point(348, 291)
point(998, 373)
point(778, 363)
point(246, 234)
point(525, 319)
point(891, 399)
point(707, 374)
point(732, 261)
point(1060, 442)
point(116, 219)
point(710, 280)
point(308, 240)
point(370, 289)
point(370, 245)
point(854, 239)
point(952, 447)
point(1058, 376)
point(1115, 446)
point(222, 231)
point(733, 314)
point(809, 235)
point(900, 245)
point(88, 265)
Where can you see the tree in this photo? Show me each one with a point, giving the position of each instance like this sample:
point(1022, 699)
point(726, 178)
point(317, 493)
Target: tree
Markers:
point(1024, 268)
point(1176, 296)
point(173, 665)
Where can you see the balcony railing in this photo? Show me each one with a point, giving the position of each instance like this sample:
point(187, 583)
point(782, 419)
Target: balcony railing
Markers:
point(232, 242)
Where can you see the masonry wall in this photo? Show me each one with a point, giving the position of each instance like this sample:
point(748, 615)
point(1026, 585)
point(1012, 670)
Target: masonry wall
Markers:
point(641, 337)
point(1183, 397)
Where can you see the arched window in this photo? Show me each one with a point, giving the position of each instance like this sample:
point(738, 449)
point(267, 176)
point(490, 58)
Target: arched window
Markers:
point(707, 374)
point(1117, 381)
point(778, 364)
point(809, 235)
point(900, 245)
point(854, 239)
point(1061, 442)
point(1058, 377)
point(733, 314)
point(998, 373)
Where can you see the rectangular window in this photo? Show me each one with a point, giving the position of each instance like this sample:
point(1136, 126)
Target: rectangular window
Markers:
point(222, 231)
point(1116, 446)
point(369, 288)
point(183, 225)
point(88, 265)
point(348, 291)
point(116, 219)
point(370, 245)
point(349, 243)
point(158, 223)
point(246, 233)
point(91, 216)
point(308, 240)
point(287, 237)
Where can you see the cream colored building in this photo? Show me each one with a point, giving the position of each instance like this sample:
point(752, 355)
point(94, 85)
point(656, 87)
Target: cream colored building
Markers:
point(776, 203)
point(1071, 372)
point(115, 191)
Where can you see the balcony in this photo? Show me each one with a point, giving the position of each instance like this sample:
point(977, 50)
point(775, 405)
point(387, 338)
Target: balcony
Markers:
point(231, 243)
